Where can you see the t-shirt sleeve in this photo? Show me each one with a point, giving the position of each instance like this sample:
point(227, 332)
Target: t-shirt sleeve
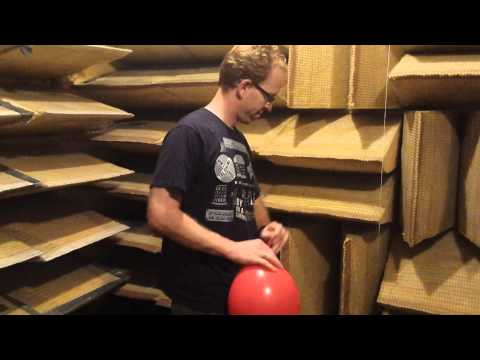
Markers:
point(178, 160)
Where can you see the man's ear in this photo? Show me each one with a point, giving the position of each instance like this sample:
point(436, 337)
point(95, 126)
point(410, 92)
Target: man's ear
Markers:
point(242, 87)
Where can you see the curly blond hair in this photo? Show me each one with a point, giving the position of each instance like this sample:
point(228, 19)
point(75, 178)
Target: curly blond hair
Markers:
point(252, 62)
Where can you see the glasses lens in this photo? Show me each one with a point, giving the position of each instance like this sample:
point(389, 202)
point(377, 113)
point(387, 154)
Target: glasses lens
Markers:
point(268, 97)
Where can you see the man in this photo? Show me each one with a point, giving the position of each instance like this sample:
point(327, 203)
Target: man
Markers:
point(204, 196)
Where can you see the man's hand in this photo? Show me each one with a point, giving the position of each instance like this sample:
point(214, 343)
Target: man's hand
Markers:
point(275, 236)
point(254, 252)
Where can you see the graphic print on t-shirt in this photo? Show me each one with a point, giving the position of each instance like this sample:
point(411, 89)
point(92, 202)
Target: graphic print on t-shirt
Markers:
point(240, 166)
point(235, 197)
point(224, 168)
point(235, 145)
point(219, 215)
point(220, 197)
point(244, 205)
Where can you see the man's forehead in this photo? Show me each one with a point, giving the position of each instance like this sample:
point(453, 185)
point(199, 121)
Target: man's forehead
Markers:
point(276, 79)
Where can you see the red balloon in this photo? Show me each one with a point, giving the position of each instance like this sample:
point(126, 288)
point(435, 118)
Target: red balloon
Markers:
point(259, 291)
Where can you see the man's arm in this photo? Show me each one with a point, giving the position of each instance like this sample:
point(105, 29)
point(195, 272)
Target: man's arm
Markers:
point(273, 233)
point(262, 216)
point(166, 217)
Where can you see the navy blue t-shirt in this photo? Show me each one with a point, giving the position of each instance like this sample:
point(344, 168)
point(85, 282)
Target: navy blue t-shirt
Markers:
point(210, 164)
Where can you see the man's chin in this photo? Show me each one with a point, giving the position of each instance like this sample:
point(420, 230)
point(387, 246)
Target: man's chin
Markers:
point(246, 120)
point(249, 118)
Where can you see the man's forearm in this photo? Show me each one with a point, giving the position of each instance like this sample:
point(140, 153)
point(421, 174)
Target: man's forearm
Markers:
point(182, 228)
point(166, 217)
point(262, 216)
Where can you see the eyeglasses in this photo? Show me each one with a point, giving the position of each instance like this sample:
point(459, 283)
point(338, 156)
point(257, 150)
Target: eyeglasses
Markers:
point(269, 98)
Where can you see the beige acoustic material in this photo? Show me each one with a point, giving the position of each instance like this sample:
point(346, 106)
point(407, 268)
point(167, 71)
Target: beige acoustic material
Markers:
point(7, 308)
point(156, 55)
point(60, 287)
point(4, 48)
point(137, 136)
point(143, 268)
point(135, 186)
point(146, 136)
point(468, 211)
point(343, 195)
point(364, 255)
point(311, 257)
point(146, 293)
point(139, 292)
point(55, 61)
point(140, 237)
point(340, 76)
point(178, 88)
point(326, 141)
point(51, 170)
point(8, 116)
point(46, 112)
point(441, 276)
point(64, 228)
point(430, 157)
point(437, 81)
point(261, 132)
point(151, 89)
point(13, 251)
point(9, 183)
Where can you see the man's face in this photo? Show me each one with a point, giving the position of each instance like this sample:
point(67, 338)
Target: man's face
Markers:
point(259, 97)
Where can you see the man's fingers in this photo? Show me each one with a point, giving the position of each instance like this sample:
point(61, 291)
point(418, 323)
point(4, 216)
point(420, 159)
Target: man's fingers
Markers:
point(267, 238)
point(271, 242)
point(278, 247)
point(272, 258)
point(266, 264)
point(279, 239)
point(277, 231)
point(280, 233)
